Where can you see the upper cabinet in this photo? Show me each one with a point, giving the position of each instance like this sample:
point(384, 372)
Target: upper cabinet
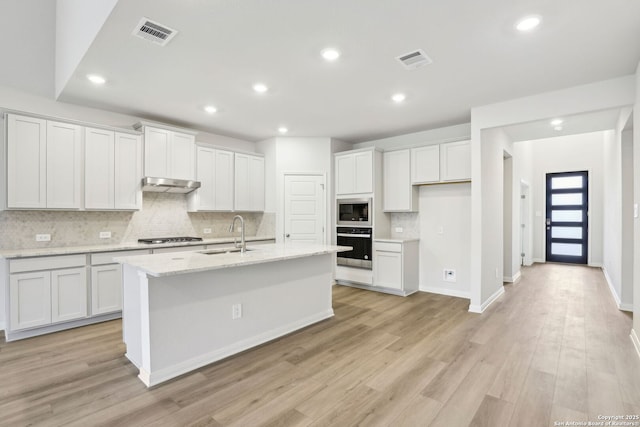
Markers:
point(455, 161)
point(399, 194)
point(168, 153)
point(249, 182)
point(425, 164)
point(44, 164)
point(113, 170)
point(354, 172)
point(214, 170)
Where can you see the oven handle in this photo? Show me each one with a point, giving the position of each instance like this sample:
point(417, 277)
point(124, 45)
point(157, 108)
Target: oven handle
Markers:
point(362, 236)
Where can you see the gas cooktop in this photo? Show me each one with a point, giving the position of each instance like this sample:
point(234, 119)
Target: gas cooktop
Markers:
point(170, 240)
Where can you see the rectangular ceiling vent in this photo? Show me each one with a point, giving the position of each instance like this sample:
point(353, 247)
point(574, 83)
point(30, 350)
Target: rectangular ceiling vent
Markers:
point(415, 59)
point(154, 32)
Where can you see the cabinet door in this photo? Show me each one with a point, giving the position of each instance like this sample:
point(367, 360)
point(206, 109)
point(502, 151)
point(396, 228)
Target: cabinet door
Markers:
point(106, 289)
point(387, 269)
point(455, 161)
point(397, 189)
point(224, 176)
point(156, 149)
point(242, 195)
point(206, 174)
point(26, 162)
point(256, 182)
point(64, 164)
point(127, 171)
point(99, 169)
point(68, 294)
point(182, 156)
point(30, 300)
point(425, 164)
point(345, 174)
point(364, 172)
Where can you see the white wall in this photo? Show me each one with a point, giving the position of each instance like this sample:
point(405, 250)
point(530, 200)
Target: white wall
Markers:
point(508, 271)
point(601, 95)
point(636, 198)
point(626, 299)
point(77, 24)
point(444, 227)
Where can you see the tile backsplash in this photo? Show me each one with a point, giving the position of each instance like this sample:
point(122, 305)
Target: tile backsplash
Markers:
point(162, 215)
point(410, 223)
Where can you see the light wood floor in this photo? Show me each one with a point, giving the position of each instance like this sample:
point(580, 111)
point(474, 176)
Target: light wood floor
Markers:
point(553, 348)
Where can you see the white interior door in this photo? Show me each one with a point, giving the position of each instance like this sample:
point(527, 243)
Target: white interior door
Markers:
point(304, 216)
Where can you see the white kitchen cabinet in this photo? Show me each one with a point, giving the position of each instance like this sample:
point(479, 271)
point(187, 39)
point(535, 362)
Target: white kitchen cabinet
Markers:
point(106, 289)
point(395, 265)
point(68, 294)
point(64, 165)
point(44, 164)
point(354, 172)
point(113, 170)
point(99, 192)
point(127, 172)
point(26, 162)
point(249, 182)
point(214, 170)
point(168, 153)
point(398, 193)
point(44, 297)
point(425, 164)
point(455, 161)
point(30, 299)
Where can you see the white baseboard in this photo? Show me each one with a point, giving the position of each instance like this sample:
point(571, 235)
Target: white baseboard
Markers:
point(540, 260)
point(153, 378)
point(512, 279)
point(635, 341)
point(481, 308)
point(596, 264)
point(621, 306)
point(448, 292)
point(3, 326)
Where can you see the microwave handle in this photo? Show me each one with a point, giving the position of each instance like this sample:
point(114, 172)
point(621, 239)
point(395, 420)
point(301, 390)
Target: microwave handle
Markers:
point(363, 236)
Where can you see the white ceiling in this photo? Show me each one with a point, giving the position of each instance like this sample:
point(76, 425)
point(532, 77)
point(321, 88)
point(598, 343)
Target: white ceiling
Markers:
point(223, 47)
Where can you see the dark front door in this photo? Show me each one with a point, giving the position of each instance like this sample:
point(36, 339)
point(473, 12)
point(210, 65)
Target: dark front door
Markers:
point(567, 216)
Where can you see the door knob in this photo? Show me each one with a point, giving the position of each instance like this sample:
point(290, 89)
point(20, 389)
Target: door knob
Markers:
point(286, 235)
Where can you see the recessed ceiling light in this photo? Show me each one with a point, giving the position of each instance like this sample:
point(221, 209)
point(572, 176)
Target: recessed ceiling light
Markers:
point(528, 23)
point(260, 87)
point(558, 128)
point(330, 54)
point(556, 122)
point(210, 109)
point(96, 79)
point(283, 129)
point(398, 97)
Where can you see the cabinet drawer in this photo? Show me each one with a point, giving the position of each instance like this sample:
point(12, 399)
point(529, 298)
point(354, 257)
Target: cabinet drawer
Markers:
point(107, 257)
point(47, 263)
point(387, 246)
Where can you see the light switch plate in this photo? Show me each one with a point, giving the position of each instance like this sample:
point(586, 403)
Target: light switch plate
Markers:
point(207, 231)
point(399, 229)
point(105, 234)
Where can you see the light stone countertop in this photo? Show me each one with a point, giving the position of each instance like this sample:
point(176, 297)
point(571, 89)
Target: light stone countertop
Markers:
point(410, 239)
point(68, 250)
point(169, 264)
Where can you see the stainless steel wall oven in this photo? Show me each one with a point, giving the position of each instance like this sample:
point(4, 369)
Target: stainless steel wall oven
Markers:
point(361, 240)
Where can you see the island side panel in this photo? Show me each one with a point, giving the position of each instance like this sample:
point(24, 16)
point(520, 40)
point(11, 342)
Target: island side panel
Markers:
point(132, 305)
point(190, 315)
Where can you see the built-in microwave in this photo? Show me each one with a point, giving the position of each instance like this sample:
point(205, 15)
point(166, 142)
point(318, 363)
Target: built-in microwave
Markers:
point(354, 212)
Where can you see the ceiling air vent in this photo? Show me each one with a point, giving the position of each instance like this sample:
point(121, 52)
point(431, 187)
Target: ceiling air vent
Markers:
point(415, 59)
point(154, 32)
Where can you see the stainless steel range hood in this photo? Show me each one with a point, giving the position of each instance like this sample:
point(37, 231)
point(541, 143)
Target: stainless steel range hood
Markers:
point(167, 185)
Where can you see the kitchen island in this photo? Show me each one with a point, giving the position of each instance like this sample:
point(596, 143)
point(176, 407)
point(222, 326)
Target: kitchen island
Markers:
point(185, 310)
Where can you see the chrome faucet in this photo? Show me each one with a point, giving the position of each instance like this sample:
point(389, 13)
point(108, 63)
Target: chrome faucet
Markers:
point(243, 243)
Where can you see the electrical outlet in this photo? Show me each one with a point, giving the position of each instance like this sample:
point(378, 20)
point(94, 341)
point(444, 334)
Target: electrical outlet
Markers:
point(449, 275)
point(105, 234)
point(236, 311)
point(43, 237)
point(399, 229)
point(207, 231)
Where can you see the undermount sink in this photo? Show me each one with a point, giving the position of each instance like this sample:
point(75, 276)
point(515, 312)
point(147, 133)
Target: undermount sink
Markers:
point(219, 251)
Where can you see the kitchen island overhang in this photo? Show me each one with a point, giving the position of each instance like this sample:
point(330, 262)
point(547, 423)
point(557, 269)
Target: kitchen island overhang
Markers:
point(182, 311)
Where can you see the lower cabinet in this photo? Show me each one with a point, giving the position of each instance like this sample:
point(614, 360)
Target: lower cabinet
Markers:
point(395, 265)
point(106, 289)
point(45, 297)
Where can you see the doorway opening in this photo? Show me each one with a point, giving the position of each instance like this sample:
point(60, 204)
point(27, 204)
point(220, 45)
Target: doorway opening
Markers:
point(567, 217)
